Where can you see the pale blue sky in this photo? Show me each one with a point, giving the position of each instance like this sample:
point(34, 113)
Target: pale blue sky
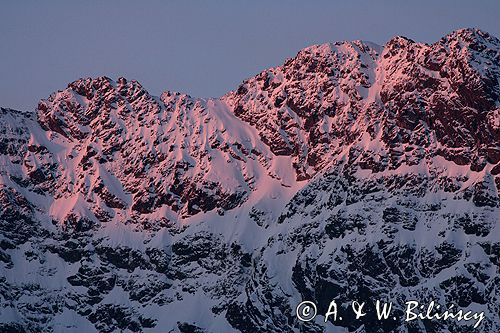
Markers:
point(203, 48)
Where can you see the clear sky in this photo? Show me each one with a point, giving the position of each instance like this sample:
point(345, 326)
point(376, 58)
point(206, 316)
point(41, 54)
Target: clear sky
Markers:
point(204, 48)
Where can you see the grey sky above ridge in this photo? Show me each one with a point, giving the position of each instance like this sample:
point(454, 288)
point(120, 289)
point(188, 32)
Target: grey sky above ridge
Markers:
point(201, 48)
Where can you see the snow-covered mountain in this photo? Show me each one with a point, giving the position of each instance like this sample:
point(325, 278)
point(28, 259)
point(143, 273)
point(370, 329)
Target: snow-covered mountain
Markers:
point(352, 172)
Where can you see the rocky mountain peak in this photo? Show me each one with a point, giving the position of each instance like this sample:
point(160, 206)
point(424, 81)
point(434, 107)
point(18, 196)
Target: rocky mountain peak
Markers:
point(75, 111)
point(398, 42)
point(471, 37)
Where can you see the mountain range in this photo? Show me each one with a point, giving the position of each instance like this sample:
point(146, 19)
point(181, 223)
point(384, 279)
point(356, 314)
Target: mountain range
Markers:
point(353, 171)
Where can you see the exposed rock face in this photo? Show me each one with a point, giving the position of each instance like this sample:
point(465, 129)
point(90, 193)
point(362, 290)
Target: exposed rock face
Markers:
point(351, 172)
point(332, 95)
point(157, 151)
